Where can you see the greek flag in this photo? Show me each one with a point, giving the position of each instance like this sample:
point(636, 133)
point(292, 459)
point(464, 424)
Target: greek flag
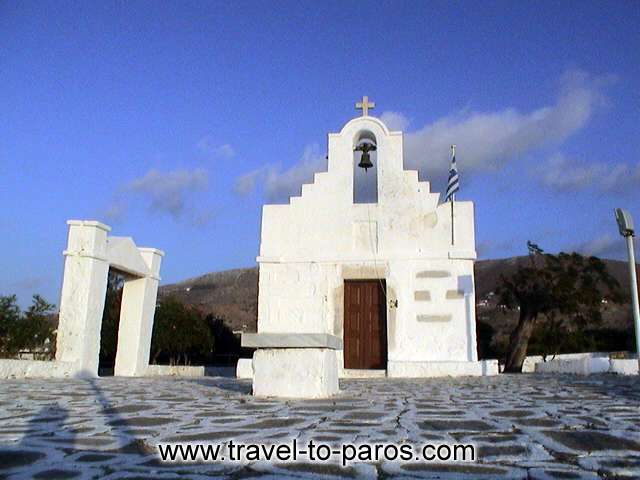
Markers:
point(454, 180)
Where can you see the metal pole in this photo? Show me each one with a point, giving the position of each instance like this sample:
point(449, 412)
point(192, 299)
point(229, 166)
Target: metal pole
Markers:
point(634, 294)
point(453, 195)
point(452, 227)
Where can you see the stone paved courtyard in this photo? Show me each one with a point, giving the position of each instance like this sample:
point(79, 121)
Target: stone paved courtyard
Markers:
point(528, 426)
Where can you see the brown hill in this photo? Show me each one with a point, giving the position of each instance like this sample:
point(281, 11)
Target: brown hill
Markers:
point(231, 295)
point(488, 272)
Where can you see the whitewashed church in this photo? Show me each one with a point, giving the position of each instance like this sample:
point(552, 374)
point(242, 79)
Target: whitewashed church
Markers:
point(378, 288)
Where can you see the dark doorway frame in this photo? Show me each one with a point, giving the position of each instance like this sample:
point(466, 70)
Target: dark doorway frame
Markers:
point(365, 324)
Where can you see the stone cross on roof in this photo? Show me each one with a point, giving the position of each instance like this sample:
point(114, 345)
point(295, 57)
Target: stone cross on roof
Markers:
point(365, 105)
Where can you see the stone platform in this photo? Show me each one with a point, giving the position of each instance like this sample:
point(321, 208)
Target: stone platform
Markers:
point(527, 426)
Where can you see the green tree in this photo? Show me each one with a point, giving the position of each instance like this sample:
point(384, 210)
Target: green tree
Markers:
point(31, 330)
point(550, 287)
point(9, 317)
point(179, 333)
point(38, 325)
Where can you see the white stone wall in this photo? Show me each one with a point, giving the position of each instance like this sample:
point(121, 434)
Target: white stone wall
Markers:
point(312, 245)
point(36, 369)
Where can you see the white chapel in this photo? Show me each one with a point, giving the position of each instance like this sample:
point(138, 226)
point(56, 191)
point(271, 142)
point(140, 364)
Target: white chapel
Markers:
point(383, 287)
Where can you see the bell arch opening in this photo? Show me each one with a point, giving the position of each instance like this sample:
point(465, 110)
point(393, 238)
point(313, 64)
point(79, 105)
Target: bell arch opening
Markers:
point(365, 168)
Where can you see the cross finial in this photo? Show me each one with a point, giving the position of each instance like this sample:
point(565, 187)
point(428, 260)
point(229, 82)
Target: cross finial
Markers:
point(365, 105)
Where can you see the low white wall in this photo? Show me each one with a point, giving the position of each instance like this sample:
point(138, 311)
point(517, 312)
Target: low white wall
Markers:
point(244, 368)
point(442, 369)
point(10, 368)
point(624, 366)
point(174, 371)
point(589, 365)
point(529, 365)
point(581, 366)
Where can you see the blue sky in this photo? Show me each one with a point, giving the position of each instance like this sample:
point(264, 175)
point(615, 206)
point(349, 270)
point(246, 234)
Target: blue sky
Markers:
point(173, 122)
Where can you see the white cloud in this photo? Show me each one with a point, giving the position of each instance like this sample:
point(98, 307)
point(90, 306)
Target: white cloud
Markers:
point(280, 184)
point(488, 140)
point(495, 248)
point(563, 174)
point(246, 183)
point(202, 218)
point(166, 191)
point(394, 120)
point(116, 211)
point(606, 246)
point(29, 283)
point(208, 145)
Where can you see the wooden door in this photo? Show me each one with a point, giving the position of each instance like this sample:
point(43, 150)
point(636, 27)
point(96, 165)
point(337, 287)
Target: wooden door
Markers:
point(365, 324)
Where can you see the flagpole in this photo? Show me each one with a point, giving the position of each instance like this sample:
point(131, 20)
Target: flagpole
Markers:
point(453, 196)
point(452, 229)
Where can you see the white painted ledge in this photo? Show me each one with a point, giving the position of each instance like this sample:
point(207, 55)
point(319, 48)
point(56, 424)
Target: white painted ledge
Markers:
point(358, 373)
point(291, 340)
point(89, 223)
point(156, 251)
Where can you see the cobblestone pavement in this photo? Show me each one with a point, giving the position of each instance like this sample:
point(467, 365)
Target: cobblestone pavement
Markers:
point(527, 426)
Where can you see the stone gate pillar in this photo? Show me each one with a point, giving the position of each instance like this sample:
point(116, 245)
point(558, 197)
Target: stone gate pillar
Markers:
point(136, 318)
point(84, 286)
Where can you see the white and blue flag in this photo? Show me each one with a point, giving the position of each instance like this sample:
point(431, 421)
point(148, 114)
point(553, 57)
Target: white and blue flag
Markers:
point(453, 184)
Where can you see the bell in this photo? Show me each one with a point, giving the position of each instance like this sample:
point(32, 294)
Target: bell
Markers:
point(365, 161)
